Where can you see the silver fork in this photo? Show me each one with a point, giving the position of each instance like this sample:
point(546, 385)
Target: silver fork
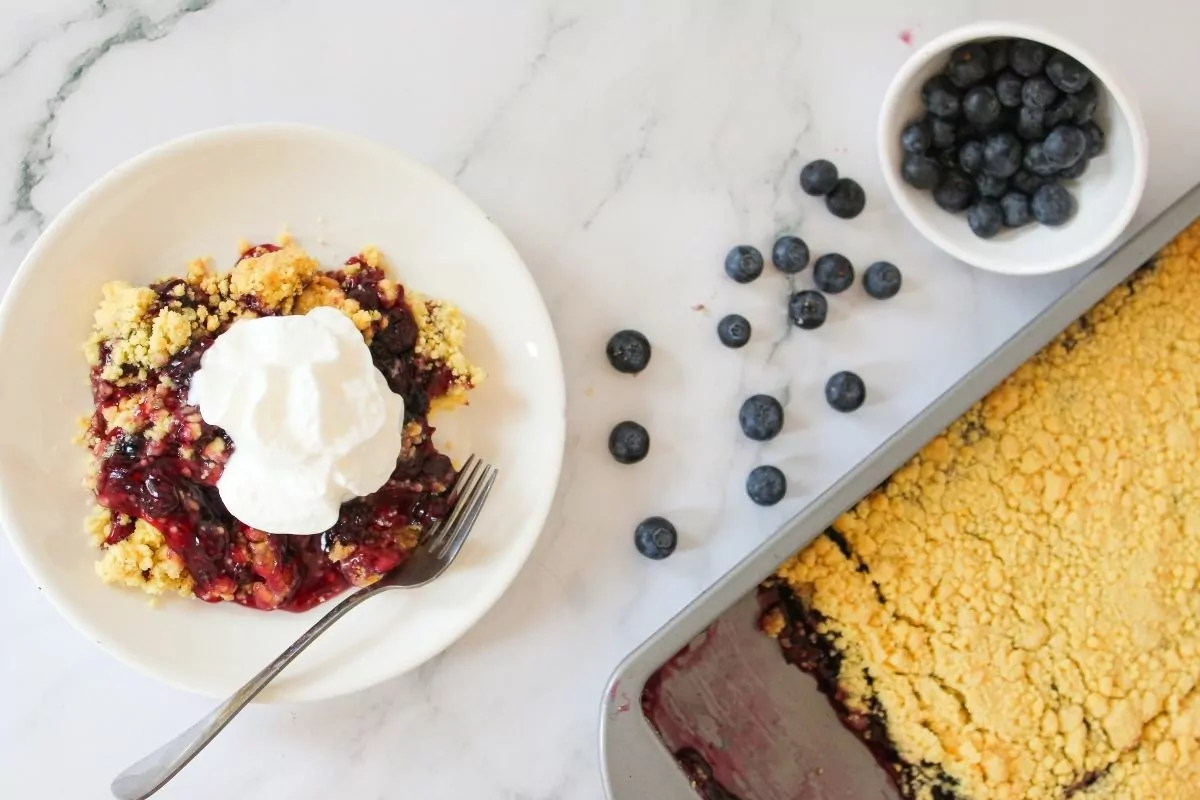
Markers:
point(430, 560)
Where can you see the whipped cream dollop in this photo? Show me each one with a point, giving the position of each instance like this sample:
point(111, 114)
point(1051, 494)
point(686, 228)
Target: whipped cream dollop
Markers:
point(312, 420)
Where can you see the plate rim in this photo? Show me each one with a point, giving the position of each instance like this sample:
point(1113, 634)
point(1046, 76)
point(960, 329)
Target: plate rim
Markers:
point(538, 513)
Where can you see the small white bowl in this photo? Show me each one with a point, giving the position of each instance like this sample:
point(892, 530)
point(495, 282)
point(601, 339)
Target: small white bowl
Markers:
point(1106, 195)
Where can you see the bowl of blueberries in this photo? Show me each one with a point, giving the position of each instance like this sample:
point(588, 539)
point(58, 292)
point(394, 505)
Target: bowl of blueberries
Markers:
point(1012, 149)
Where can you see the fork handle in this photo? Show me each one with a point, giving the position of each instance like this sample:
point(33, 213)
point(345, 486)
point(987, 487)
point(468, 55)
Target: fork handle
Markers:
point(151, 773)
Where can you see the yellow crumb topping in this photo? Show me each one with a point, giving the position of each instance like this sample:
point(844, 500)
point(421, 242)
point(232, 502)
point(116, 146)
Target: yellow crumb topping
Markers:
point(441, 331)
point(141, 560)
point(1022, 598)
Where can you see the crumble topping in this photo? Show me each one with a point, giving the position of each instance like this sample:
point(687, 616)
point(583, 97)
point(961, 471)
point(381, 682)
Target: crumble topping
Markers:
point(1019, 603)
point(145, 439)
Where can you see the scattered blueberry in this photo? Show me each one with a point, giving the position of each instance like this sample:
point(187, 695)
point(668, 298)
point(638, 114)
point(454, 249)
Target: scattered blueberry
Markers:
point(833, 273)
point(1008, 89)
point(1031, 123)
point(846, 200)
point(1065, 145)
point(629, 442)
point(1015, 207)
point(1066, 73)
point(997, 55)
point(882, 280)
point(1035, 161)
point(1001, 155)
point(1027, 58)
point(628, 352)
point(766, 485)
point(1026, 182)
point(1095, 139)
point(970, 157)
point(982, 107)
point(1038, 92)
point(655, 538)
point(1053, 205)
point(845, 391)
point(985, 218)
point(920, 172)
point(744, 263)
point(790, 254)
point(818, 177)
point(807, 309)
point(733, 330)
point(916, 138)
point(940, 97)
point(944, 133)
point(954, 192)
point(1075, 170)
point(761, 417)
point(990, 186)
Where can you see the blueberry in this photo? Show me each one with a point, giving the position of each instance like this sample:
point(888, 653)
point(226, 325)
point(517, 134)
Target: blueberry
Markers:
point(733, 330)
point(129, 446)
point(1062, 111)
point(1065, 145)
point(982, 107)
point(846, 200)
point(882, 280)
point(1035, 161)
point(1027, 58)
point(655, 537)
point(1075, 170)
point(941, 97)
point(845, 391)
point(985, 218)
point(969, 64)
point(1085, 104)
point(946, 159)
point(744, 263)
point(628, 352)
point(833, 273)
point(944, 133)
point(1008, 88)
point(1001, 155)
point(1038, 92)
point(970, 157)
point(920, 172)
point(1031, 124)
point(955, 192)
point(761, 417)
point(818, 177)
point(790, 254)
point(997, 55)
point(990, 186)
point(766, 485)
point(807, 309)
point(916, 138)
point(1053, 205)
point(1026, 182)
point(1015, 207)
point(1067, 73)
point(629, 442)
point(1095, 139)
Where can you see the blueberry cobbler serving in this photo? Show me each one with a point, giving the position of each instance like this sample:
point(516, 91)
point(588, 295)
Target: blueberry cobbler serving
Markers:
point(161, 521)
point(1016, 612)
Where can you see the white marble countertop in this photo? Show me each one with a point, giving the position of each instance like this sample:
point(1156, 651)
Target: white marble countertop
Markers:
point(624, 147)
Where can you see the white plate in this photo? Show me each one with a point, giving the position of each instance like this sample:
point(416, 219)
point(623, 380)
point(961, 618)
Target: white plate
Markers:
point(334, 193)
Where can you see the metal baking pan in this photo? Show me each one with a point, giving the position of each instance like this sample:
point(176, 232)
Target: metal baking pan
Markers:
point(757, 727)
